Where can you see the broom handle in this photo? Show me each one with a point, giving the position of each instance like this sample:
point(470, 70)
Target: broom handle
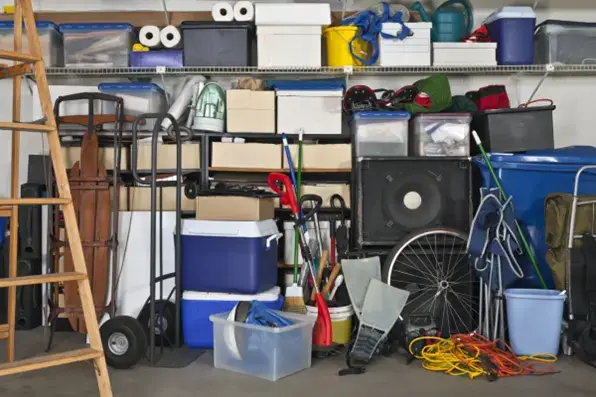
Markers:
point(298, 194)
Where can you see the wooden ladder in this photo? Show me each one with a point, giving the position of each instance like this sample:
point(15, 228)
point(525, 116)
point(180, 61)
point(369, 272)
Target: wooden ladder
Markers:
point(23, 12)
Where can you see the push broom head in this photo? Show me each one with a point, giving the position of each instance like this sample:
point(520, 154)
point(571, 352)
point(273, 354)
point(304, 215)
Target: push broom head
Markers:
point(294, 301)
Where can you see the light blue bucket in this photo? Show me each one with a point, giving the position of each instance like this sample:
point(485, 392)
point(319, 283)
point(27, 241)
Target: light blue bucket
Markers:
point(534, 319)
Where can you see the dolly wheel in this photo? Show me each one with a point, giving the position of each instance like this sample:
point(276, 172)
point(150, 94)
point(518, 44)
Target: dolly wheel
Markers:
point(190, 190)
point(165, 320)
point(124, 341)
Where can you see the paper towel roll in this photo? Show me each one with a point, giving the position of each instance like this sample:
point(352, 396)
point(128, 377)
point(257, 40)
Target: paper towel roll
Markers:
point(244, 11)
point(149, 36)
point(170, 36)
point(222, 12)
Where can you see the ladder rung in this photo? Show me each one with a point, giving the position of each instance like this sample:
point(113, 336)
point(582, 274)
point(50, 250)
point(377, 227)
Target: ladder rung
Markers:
point(51, 360)
point(35, 201)
point(17, 70)
point(18, 56)
point(5, 212)
point(9, 125)
point(41, 279)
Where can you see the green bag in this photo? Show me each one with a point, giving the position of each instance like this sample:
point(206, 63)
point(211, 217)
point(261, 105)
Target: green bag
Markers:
point(437, 88)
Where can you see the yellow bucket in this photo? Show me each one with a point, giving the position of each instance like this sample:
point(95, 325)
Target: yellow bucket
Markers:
point(341, 322)
point(338, 40)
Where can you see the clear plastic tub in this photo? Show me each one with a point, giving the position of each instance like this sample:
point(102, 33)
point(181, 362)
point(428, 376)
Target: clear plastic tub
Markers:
point(264, 352)
point(381, 134)
point(441, 134)
point(97, 44)
point(50, 40)
point(138, 98)
point(565, 42)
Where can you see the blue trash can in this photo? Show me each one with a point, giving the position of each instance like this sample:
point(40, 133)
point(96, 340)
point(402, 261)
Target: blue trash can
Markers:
point(530, 178)
point(534, 318)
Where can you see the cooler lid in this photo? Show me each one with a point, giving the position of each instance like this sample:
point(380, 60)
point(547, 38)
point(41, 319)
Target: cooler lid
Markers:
point(119, 87)
point(191, 227)
point(371, 114)
point(572, 155)
point(267, 296)
point(511, 12)
point(86, 27)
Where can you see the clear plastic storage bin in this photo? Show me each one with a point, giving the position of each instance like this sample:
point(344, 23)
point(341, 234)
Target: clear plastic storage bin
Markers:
point(264, 352)
point(381, 134)
point(49, 38)
point(566, 42)
point(97, 44)
point(138, 98)
point(441, 134)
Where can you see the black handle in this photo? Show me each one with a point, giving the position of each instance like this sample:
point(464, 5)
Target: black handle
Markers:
point(316, 206)
point(340, 199)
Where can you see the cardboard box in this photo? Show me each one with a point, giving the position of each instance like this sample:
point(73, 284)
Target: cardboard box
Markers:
point(328, 190)
point(140, 199)
point(166, 156)
point(106, 157)
point(122, 198)
point(234, 208)
point(322, 156)
point(246, 155)
point(250, 111)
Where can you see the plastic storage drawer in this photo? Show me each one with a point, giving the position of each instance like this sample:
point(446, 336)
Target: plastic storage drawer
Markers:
point(229, 256)
point(196, 308)
point(265, 352)
point(441, 134)
point(217, 43)
point(52, 47)
point(512, 28)
point(566, 42)
point(138, 98)
point(380, 134)
point(516, 129)
point(97, 44)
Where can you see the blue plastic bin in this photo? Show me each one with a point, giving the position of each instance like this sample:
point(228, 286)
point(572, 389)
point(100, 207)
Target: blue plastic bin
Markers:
point(530, 178)
point(196, 308)
point(512, 28)
point(534, 318)
point(229, 256)
point(149, 59)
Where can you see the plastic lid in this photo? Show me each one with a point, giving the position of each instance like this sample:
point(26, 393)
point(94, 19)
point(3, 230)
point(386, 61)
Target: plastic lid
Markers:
point(576, 155)
point(191, 227)
point(371, 114)
point(443, 116)
point(104, 87)
point(94, 26)
point(38, 24)
point(311, 85)
point(511, 12)
point(267, 296)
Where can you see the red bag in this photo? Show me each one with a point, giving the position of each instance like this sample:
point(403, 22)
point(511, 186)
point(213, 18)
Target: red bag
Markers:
point(490, 97)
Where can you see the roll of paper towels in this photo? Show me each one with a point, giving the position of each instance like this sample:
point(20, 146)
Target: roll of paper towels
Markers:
point(222, 12)
point(149, 36)
point(170, 36)
point(244, 11)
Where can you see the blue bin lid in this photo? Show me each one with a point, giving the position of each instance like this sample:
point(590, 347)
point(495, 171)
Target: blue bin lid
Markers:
point(571, 155)
point(5, 25)
point(371, 114)
point(312, 85)
point(119, 87)
point(91, 27)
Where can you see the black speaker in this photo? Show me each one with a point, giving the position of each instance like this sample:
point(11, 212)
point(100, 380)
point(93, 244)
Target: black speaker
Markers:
point(30, 223)
point(29, 298)
point(399, 195)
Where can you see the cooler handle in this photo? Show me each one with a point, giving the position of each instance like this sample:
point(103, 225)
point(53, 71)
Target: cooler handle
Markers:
point(275, 237)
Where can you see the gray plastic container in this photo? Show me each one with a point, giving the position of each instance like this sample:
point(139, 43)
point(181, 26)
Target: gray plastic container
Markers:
point(106, 45)
point(50, 41)
point(565, 42)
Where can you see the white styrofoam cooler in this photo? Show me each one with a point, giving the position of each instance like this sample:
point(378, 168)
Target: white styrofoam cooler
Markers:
point(414, 50)
point(289, 46)
point(314, 111)
point(465, 54)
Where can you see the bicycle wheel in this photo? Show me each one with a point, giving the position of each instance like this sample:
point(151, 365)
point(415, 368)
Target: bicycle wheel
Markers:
point(432, 264)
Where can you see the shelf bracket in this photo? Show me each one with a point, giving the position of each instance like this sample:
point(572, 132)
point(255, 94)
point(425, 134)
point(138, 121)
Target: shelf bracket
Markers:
point(549, 69)
point(348, 71)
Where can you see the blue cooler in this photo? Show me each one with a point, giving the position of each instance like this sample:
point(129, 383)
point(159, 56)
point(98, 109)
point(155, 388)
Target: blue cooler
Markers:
point(196, 308)
point(530, 178)
point(512, 28)
point(229, 256)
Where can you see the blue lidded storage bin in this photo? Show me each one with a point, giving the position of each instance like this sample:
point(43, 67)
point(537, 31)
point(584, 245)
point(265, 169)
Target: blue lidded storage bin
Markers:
point(50, 41)
point(196, 308)
point(229, 256)
point(149, 59)
point(530, 178)
point(534, 319)
point(380, 133)
point(512, 28)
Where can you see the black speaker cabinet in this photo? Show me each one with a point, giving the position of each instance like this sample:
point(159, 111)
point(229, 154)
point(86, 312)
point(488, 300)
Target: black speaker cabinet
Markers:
point(399, 195)
point(29, 301)
point(30, 223)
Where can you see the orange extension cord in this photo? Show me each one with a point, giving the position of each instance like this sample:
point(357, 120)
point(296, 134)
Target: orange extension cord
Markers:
point(474, 355)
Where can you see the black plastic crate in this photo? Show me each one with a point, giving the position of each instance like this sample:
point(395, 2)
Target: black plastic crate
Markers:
point(209, 43)
point(515, 130)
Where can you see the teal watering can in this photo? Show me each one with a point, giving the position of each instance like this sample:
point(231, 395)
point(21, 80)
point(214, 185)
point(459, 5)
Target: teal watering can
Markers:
point(450, 23)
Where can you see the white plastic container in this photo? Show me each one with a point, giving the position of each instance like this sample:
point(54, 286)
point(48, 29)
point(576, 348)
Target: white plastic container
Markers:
point(310, 227)
point(441, 134)
point(265, 352)
point(312, 110)
point(414, 50)
point(267, 14)
point(97, 44)
point(381, 134)
point(289, 46)
point(138, 98)
point(465, 54)
point(50, 40)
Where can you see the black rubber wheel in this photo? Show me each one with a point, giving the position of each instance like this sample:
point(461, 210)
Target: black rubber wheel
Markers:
point(190, 190)
point(165, 319)
point(124, 341)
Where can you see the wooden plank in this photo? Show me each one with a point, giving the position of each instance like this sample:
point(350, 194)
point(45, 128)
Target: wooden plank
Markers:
point(41, 279)
point(51, 360)
point(16, 55)
point(34, 201)
point(16, 126)
point(3, 327)
point(16, 70)
point(6, 212)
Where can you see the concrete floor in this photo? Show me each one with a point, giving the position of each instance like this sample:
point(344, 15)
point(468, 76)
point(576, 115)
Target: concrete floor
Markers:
point(386, 377)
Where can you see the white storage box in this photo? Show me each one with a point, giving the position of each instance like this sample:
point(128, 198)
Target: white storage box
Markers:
point(311, 110)
point(250, 111)
point(414, 50)
point(105, 45)
point(441, 134)
point(289, 46)
point(246, 155)
point(50, 40)
point(267, 14)
point(166, 156)
point(381, 134)
point(138, 98)
point(265, 352)
point(465, 54)
point(322, 157)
